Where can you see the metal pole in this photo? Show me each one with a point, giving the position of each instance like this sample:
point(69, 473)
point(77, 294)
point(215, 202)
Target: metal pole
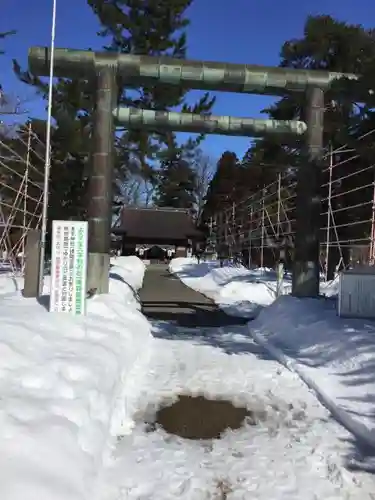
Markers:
point(47, 164)
point(214, 233)
point(226, 236)
point(221, 238)
point(278, 205)
point(329, 209)
point(279, 264)
point(250, 235)
point(372, 242)
point(234, 236)
point(262, 236)
point(25, 196)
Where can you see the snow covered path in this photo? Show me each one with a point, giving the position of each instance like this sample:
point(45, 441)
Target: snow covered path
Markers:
point(297, 453)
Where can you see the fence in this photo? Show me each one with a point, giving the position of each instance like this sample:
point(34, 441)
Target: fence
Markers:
point(21, 191)
point(256, 228)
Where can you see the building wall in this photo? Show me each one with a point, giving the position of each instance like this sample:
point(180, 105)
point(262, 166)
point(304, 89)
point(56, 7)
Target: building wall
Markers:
point(181, 251)
point(133, 247)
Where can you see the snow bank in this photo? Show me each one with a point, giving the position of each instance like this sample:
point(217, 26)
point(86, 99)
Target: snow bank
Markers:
point(330, 288)
point(61, 381)
point(334, 356)
point(237, 290)
point(9, 285)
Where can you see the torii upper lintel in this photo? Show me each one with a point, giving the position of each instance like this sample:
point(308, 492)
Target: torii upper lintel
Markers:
point(203, 75)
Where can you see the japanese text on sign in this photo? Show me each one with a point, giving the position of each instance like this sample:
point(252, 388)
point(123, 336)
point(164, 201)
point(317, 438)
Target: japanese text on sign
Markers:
point(69, 264)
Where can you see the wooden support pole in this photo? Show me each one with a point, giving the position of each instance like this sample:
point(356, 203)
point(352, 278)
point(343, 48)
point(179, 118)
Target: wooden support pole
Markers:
point(31, 272)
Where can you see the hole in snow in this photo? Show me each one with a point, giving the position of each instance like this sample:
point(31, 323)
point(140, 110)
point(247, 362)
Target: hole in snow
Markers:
point(195, 417)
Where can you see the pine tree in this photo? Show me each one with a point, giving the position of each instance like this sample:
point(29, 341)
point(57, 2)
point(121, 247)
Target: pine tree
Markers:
point(331, 45)
point(147, 27)
point(221, 191)
point(157, 28)
point(177, 181)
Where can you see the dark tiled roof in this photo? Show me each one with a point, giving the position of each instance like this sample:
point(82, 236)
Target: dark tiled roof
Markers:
point(157, 223)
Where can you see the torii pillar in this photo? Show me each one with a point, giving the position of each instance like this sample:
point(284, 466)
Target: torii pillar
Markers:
point(100, 180)
point(308, 201)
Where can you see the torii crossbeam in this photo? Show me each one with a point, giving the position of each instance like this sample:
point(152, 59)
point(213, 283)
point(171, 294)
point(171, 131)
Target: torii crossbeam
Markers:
point(203, 75)
point(206, 124)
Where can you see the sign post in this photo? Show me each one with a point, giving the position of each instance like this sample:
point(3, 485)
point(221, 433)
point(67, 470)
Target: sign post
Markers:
point(69, 267)
point(280, 278)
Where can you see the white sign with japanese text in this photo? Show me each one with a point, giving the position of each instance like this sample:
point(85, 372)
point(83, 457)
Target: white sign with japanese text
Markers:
point(69, 267)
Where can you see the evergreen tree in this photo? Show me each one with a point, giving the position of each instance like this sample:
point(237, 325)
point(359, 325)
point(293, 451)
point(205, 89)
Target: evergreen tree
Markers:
point(331, 45)
point(222, 190)
point(177, 181)
point(146, 27)
point(157, 28)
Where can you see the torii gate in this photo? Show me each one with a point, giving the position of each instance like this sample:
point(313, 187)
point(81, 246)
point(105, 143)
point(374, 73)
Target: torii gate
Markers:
point(134, 71)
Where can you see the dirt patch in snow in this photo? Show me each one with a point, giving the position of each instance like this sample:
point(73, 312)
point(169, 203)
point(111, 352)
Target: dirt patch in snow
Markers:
point(195, 417)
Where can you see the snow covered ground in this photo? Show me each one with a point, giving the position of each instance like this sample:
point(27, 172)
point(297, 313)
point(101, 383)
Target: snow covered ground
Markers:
point(62, 381)
point(334, 356)
point(76, 392)
point(296, 453)
point(9, 285)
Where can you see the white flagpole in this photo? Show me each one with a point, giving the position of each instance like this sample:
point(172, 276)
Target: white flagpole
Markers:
point(47, 164)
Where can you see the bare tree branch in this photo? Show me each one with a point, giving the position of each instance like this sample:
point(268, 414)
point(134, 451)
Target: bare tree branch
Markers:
point(204, 167)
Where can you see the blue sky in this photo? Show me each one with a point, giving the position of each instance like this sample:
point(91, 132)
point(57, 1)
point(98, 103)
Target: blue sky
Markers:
point(238, 31)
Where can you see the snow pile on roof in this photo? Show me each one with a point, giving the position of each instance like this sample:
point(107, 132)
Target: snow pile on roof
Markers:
point(61, 383)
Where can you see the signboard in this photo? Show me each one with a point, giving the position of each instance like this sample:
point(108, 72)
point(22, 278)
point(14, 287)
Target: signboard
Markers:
point(356, 293)
point(69, 267)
